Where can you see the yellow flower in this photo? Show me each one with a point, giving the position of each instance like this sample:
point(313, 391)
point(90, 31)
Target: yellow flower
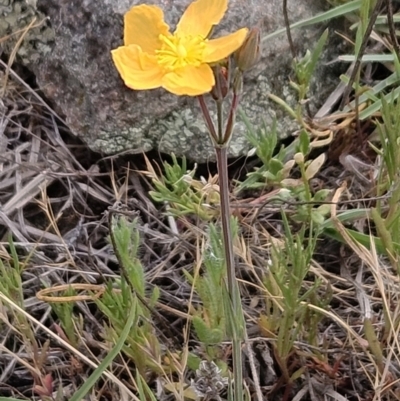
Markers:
point(152, 57)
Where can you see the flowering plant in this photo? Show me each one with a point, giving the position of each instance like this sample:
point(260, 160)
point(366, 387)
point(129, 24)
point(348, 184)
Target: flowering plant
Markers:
point(188, 62)
point(179, 62)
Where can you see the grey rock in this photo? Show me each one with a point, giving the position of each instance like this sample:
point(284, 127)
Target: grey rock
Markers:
point(20, 19)
point(80, 80)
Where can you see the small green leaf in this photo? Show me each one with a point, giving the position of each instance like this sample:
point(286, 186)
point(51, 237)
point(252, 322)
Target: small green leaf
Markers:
point(304, 142)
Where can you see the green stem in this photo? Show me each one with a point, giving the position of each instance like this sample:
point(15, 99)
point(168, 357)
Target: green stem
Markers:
point(222, 163)
point(231, 118)
point(208, 120)
point(220, 119)
point(236, 326)
point(233, 289)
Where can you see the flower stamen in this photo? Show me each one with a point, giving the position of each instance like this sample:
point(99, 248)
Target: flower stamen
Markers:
point(178, 51)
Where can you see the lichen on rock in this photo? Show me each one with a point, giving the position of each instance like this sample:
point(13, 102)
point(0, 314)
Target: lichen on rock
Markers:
point(21, 19)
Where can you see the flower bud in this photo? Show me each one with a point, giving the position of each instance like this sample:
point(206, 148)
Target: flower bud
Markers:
point(221, 88)
point(248, 54)
point(237, 83)
point(299, 158)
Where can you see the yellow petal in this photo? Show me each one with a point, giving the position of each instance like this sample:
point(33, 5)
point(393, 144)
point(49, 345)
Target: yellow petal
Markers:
point(143, 25)
point(200, 16)
point(138, 70)
point(189, 80)
point(218, 49)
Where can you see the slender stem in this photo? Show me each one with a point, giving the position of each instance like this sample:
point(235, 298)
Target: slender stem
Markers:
point(222, 163)
point(220, 120)
point(357, 63)
point(233, 290)
point(392, 29)
point(207, 118)
point(287, 26)
point(221, 145)
point(231, 118)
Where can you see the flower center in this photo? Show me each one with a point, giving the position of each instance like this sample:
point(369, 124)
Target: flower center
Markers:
point(177, 51)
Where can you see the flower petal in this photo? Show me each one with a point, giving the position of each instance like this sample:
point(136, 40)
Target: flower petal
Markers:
point(200, 16)
point(143, 25)
point(138, 70)
point(218, 49)
point(189, 80)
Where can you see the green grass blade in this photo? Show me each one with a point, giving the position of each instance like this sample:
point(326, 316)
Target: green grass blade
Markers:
point(393, 79)
point(363, 239)
point(90, 382)
point(144, 390)
point(368, 58)
point(347, 217)
point(377, 106)
point(333, 13)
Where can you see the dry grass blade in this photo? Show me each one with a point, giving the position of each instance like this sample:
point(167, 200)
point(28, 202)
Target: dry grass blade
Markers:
point(27, 193)
point(65, 344)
